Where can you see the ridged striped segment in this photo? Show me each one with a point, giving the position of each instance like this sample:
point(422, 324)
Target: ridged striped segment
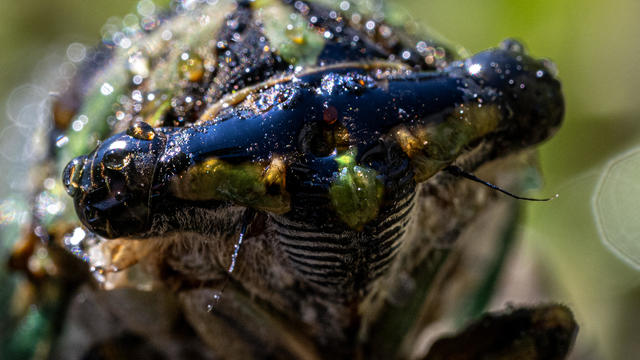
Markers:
point(347, 260)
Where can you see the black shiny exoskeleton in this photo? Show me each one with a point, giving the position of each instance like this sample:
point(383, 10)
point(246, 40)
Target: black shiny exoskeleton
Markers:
point(129, 180)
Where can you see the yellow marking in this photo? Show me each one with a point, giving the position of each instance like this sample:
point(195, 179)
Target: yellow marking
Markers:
point(409, 143)
point(275, 173)
point(248, 184)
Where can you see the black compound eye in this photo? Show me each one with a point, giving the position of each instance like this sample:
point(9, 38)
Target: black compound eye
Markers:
point(115, 160)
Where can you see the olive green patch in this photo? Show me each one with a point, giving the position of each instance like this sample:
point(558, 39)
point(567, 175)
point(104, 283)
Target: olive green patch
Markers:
point(191, 34)
point(289, 33)
point(446, 140)
point(434, 146)
point(356, 193)
point(248, 184)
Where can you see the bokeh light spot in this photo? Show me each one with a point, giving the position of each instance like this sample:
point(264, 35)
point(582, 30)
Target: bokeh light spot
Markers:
point(616, 209)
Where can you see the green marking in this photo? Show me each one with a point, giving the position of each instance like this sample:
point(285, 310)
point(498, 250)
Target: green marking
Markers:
point(347, 159)
point(245, 184)
point(289, 33)
point(446, 140)
point(356, 193)
point(188, 35)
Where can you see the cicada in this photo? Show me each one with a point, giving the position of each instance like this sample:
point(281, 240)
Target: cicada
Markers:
point(281, 179)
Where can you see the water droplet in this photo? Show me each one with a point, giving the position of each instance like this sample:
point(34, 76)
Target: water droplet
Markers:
point(136, 95)
point(141, 131)
point(106, 89)
point(77, 125)
point(215, 300)
point(513, 45)
point(166, 35)
point(146, 7)
point(61, 141)
point(139, 64)
point(49, 183)
point(191, 67)
point(370, 25)
point(75, 238)
point(76, 52)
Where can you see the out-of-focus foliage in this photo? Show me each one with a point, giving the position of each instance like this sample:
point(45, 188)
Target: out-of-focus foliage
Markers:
point(594, 45)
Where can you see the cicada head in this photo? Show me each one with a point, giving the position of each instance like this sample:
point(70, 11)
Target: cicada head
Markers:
point(530, 91)
point(111, 186)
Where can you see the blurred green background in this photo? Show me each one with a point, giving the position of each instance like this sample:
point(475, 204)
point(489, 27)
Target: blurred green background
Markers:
point(596, 46)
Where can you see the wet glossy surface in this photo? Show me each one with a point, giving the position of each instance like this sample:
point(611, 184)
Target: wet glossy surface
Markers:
point(312, 120)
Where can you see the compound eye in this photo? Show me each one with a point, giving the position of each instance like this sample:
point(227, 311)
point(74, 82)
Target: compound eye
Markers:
point(116, 160)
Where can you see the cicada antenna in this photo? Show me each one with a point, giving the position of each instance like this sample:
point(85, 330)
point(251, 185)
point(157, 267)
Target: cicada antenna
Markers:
point(457, 171)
